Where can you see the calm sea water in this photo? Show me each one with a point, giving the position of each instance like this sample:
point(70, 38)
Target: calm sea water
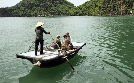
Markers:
point(108, 56)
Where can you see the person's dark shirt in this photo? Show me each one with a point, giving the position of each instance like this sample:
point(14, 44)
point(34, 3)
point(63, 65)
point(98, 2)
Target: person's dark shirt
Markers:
point(39, 33)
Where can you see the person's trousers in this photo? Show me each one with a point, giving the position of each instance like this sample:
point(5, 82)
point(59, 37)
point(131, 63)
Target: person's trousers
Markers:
point(37, 42)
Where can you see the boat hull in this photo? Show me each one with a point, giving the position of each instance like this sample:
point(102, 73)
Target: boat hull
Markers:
point(57, 60)
point(51, 62)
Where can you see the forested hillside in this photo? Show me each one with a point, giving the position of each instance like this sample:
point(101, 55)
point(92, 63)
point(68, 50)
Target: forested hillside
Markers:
point(105, 7)
point(38, 8)
point(63, 7)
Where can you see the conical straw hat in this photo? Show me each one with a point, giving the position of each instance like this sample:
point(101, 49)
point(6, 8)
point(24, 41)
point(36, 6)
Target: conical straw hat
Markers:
point(39, 24)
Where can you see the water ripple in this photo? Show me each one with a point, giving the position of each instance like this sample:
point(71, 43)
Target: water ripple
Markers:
point(106, 58)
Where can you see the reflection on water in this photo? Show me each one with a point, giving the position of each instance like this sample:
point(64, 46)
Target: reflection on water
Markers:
point(41, 75)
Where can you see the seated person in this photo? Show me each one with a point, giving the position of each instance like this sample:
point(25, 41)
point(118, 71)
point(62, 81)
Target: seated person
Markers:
point(57, 43)
point(65, 43)
point(68, 36)
point(71, 46)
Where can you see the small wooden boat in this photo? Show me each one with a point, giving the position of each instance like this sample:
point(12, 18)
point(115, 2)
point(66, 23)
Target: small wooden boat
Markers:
point(51, 57)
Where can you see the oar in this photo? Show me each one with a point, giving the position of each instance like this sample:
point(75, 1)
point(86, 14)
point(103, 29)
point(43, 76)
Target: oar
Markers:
point(52, 37)
point(54, 41)
point(64, 55)
point(68, 61)
point(30, 46)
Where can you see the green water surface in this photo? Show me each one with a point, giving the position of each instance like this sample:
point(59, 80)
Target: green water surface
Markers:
point(108, 56)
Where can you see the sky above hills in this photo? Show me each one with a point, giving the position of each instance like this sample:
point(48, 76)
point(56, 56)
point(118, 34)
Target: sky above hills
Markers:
point(9, 3)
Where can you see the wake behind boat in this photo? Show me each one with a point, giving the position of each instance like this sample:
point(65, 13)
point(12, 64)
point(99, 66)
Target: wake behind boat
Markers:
point(51, 57)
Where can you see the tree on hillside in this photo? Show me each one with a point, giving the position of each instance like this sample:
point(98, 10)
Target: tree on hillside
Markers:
point(63, 7)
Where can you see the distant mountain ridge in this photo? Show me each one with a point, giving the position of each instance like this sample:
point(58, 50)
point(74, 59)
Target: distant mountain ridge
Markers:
point(34, 8)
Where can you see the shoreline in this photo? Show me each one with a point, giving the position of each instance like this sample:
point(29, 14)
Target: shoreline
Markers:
point(70, 15)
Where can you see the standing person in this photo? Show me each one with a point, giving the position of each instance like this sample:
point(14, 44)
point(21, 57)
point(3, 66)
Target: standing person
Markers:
point(68, 37)
point(39, 37)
